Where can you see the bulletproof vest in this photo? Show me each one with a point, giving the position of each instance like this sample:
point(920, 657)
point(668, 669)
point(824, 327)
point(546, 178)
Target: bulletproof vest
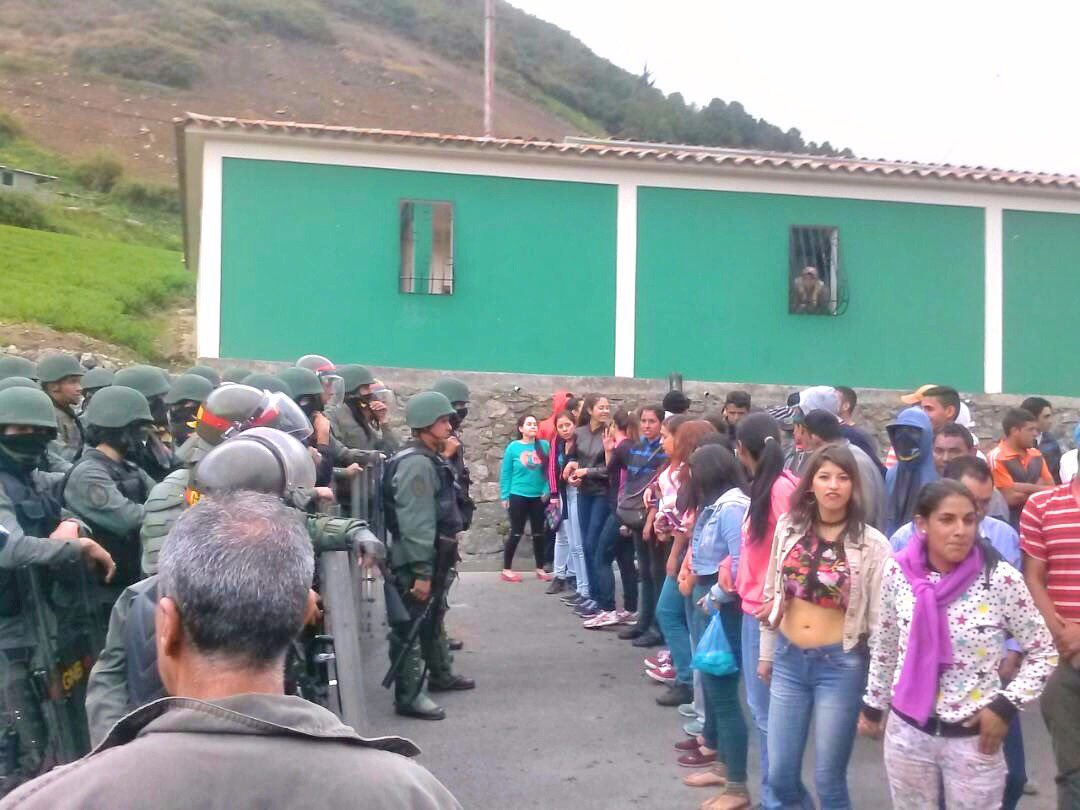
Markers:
point(464, 481)
point(125, 549)
point(164, 505)
point(38, 514)
point(447, 507)
point(140, 651)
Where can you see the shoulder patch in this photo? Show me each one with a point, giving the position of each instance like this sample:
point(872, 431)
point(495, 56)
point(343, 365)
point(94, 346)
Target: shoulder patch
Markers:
point(97, 495)
point(420, 487)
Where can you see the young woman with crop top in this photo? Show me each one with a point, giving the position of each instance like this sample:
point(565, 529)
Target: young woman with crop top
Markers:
point(820, 605)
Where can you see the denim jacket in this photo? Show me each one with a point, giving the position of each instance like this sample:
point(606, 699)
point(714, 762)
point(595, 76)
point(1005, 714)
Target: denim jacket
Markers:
point(866, 557)
point(709, 545)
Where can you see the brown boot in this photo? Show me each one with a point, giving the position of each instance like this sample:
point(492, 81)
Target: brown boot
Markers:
point(734, 797)
point(713, 776)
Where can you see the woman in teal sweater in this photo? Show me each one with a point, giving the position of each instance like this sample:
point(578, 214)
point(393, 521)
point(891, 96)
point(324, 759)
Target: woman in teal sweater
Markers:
point(524, 488)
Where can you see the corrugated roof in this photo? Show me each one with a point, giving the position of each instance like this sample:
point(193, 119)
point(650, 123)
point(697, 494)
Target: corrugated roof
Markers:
point(41, 177)
point(654, 153)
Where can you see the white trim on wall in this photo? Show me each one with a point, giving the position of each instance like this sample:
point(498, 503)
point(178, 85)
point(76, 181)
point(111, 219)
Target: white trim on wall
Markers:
point(626, 280)
point(208, 290)
point(994, 303)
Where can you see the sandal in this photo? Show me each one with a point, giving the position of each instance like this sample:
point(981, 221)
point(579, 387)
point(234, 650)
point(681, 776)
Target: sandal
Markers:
point(509, 576)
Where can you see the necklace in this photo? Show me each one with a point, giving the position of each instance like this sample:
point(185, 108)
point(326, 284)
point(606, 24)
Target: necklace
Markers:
point(831, 524)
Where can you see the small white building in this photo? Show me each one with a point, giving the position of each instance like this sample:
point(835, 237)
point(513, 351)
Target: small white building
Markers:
point(12, 179)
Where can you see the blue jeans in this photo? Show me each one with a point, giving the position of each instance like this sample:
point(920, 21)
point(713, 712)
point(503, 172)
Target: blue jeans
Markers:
point(1013, 748)
point(612, 547)
point(827, 684)
point(576, 562)
point(671, 616)
point(593, 512)
point(725, 726)
point(757, 695)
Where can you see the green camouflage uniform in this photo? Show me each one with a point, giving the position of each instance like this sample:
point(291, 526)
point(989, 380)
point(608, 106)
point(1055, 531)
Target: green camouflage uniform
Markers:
point(352, 435)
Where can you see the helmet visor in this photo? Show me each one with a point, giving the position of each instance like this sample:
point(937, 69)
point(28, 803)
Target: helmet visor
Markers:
point(333, 388)
point(281, 413)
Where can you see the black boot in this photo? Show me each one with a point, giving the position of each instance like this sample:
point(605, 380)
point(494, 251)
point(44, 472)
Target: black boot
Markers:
point(631, 632)
point(455, 644)
point(676, 695)
point(557, 586)
point(650, 638)
point(456, 683)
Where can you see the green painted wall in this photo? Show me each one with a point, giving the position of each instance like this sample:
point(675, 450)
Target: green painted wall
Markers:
point(712, 297)
point(310, 260)
point(1042, 303)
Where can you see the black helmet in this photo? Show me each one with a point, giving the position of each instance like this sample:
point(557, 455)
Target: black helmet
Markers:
point(260, 459)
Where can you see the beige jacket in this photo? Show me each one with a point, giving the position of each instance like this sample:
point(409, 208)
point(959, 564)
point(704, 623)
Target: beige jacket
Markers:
point(266, 751)
point(866, 558)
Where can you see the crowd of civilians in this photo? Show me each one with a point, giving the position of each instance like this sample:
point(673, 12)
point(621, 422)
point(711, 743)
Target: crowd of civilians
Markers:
point(922, 594)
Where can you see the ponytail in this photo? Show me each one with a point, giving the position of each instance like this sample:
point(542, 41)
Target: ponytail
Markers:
point(759, 434)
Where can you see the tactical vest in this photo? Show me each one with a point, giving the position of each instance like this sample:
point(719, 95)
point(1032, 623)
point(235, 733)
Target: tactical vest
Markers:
point(448, 519)
point(38, 514)
point(140, 651)
point(464, 481)
point(125, 549)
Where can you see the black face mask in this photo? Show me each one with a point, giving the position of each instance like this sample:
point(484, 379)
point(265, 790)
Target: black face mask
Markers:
point(457, 417)
point(160, 411)
point(180, 417)
point(25, 450)
point(310, 406)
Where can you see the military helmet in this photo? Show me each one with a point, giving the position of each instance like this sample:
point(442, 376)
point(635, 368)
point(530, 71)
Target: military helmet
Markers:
point(18, 382)
point(97, 377)
point(316, 363)
point(302, 382)
point(12, 365)
point(234, 408)
point(268, 382)
point(193, 387)
point(354, 376)
point(54, 367)
point(206, 373)
point(118, 406)
point(235, 374)
point(452, 388)
point(425, 409)
point(21, 406)
point(147, 380)
point(261, 459)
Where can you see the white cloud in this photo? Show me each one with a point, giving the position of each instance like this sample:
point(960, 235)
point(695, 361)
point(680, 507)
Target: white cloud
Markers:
point(948, 81)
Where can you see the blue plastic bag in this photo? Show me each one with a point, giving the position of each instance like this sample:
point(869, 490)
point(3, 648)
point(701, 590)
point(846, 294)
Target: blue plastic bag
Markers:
point(713, 654)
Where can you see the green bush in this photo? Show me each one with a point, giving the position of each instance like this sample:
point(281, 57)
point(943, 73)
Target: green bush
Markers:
point(10, 129)
point(100, 173)
point(146, 195)
point(287, 19)
point(23, 211)
point(152, 62)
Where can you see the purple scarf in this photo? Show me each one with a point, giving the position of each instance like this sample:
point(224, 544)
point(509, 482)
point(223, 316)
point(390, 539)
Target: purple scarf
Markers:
point(929, 649)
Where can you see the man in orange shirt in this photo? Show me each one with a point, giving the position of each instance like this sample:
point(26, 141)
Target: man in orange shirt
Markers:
point(1019, 469)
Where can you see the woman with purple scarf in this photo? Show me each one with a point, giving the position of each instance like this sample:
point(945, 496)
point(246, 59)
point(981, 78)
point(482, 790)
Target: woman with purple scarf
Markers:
point(947, 605)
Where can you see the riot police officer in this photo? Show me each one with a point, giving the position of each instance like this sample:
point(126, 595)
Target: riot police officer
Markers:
point(328, 375)
point(93, 381)
point(13, 365)
point(105, 488)
point(154, 454)
point(35, 536)
point(260, 459)
point(458, 393)
point(423, 517)
point(360, 421)
point(185, 395)
point(61, 378)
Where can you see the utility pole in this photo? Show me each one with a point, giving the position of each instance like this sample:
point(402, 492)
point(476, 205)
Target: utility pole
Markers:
point(489, 68)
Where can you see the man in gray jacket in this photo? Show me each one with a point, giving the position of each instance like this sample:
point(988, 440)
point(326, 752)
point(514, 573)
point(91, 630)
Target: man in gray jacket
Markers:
point(234, 582)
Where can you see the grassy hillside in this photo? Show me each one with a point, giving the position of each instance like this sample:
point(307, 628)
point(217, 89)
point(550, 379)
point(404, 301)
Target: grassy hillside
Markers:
point(108, 290)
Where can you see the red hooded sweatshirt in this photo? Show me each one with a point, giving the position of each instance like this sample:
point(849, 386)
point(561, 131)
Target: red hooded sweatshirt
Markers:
point(546, 430)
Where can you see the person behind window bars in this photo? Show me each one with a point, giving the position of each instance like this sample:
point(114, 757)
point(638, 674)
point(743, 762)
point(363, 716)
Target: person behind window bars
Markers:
point(811, 295)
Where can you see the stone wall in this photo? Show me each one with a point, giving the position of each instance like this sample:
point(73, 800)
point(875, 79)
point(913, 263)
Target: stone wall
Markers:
point(499, 399)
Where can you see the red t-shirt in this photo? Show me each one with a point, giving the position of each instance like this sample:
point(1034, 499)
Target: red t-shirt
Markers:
point(1050, 532)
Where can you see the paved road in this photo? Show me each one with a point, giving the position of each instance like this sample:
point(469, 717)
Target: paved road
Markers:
point(564, 718)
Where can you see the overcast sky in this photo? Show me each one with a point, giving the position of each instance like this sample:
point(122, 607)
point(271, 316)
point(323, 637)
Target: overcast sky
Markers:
point(948, 81)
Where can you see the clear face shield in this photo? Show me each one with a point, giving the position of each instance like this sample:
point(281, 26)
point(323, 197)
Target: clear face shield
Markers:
point(381, 393)
point(278, 411)
point(333, 389)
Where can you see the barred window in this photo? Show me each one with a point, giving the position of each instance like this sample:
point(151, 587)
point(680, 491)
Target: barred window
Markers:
point(813, 274)
point(427, 248)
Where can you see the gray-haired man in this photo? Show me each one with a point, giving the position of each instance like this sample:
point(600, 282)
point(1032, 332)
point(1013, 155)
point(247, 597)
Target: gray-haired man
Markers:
point(234, 578)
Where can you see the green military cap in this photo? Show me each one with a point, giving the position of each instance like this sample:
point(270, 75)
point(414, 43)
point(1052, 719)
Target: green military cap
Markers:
point(22, 406)
point(97, 377)
point(147, 380)
point(301, 382)
point(235, 374)
point(18, 382)
point(193, 387)
point(54, 367)
point(12, 365)
point(354, 376)
point(452, 388)
point(117, 406)
point(425, 409)
point(207, 373)
point(268, 382)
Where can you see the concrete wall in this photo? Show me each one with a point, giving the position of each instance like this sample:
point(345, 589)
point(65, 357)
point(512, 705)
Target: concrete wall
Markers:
point(499, 399)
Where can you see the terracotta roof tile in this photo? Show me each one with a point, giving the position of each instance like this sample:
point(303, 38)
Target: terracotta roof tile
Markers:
point(651, 152)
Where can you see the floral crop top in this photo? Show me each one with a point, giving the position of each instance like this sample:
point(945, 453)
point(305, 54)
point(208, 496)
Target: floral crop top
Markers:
point(816, 571)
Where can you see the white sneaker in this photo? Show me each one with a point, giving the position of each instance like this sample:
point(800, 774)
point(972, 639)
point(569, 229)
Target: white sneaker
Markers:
point(605, 618)
point(626, 617)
